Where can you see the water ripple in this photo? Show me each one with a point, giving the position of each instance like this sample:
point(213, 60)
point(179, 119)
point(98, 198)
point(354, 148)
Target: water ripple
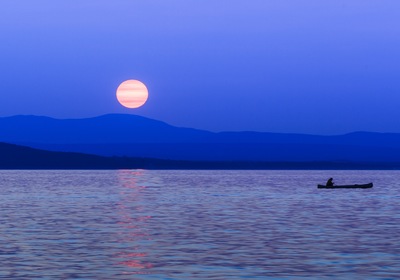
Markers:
point(138, 224)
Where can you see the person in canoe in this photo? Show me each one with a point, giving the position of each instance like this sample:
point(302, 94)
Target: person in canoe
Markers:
point(329, 183)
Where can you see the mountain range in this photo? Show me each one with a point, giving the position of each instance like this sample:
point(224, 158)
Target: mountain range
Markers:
point(139, 137)
point(20, 157)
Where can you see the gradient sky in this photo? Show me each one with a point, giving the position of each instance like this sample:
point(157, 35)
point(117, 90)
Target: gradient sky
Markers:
point(308, 66)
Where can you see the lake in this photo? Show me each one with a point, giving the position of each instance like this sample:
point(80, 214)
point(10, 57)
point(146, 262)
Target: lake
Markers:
point(155, 224)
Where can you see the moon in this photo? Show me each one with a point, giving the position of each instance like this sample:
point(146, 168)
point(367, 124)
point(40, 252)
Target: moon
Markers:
point(132, 94)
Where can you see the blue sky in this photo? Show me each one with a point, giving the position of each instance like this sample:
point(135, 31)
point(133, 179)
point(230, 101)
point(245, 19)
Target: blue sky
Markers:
point(321, 67)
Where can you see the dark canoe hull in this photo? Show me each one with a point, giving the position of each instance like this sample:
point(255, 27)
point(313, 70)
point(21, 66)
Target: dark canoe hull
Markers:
point(363, 186)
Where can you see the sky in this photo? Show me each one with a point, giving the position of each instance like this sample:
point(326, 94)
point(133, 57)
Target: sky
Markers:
point(294, 66)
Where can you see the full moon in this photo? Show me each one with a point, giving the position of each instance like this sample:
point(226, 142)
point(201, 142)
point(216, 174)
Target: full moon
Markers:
point(132, 94)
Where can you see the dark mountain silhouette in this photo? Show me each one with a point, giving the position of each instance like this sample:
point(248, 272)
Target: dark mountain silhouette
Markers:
point(19, 157)
point(134, 136)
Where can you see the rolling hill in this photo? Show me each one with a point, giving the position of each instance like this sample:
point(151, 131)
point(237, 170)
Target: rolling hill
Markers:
point(19, 157)
point(139, 137)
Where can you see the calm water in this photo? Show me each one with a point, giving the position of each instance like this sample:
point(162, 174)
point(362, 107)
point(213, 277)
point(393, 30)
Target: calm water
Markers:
point(138, 224)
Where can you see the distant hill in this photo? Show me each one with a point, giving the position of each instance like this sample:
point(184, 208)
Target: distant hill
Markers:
point(19, 157)
point(139, 137)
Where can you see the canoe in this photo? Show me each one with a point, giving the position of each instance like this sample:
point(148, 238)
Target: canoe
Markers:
point(362, 186)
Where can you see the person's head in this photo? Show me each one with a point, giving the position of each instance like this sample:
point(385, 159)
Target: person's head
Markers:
point(330, 179)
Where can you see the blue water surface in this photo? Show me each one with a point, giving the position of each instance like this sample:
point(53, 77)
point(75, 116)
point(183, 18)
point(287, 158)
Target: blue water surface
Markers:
point(141, 224)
